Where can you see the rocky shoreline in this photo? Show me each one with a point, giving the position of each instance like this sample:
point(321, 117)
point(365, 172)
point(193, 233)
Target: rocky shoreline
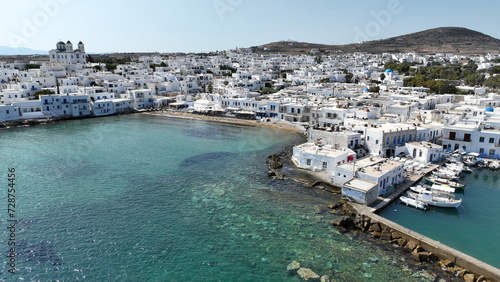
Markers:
point(28, 122)
point(352, 221)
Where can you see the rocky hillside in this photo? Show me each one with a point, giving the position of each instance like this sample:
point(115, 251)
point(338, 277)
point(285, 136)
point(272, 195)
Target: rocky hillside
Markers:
point(444, 39)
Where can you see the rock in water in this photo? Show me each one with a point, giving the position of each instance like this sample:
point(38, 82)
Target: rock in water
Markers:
point(308, 275)
point(293, 267)
point(469, 277)
point(344, 221)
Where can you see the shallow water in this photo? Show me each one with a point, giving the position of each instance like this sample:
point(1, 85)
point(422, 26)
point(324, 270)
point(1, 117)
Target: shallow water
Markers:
point(140, 198)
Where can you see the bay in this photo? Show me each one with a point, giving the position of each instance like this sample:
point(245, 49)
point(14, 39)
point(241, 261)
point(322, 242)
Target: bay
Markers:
point(141, 198)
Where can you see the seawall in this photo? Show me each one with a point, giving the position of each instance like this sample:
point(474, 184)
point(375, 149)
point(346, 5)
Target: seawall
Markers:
point(423, 247)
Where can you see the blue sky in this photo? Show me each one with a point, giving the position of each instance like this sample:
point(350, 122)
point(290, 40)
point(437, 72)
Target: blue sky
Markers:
point(210, 25)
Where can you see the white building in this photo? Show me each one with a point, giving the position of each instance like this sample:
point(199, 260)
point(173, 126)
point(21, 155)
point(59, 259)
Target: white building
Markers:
point(424, 151)
point(360, 191)
point(320, 158)
point(8, 113)
point(65, 54)
point(378, 170)
point(382, 140)
point(472, 138)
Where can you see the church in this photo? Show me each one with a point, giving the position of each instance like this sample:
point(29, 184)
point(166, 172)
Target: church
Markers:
point(65, 54)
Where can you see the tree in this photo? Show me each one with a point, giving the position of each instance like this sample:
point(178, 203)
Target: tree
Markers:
point(348, 77)
point(374, 89)
point(493, 82)
point(97, 68)
point(471, 66)
point(403, 68)
point(42, 92)
point(390, 65)
point(474, 79)
point(382, 77)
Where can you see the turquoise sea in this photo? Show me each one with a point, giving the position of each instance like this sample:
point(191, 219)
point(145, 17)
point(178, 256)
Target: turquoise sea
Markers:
point(142, 198)
point(472, 228)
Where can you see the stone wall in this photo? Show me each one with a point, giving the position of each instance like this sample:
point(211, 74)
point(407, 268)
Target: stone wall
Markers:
point(421, 247)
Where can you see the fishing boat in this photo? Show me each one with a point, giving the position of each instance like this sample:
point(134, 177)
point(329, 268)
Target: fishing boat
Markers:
point(445, 174)
point(445, 189)
point(413, 202)
point(441, 181)
point(437, 199)
point(467, 169)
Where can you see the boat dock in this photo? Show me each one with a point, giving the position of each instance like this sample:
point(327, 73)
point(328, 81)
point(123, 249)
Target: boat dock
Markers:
point(442, 251)
point(401, 188)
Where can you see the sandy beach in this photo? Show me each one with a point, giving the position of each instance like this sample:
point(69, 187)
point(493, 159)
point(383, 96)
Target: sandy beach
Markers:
point(272, 124)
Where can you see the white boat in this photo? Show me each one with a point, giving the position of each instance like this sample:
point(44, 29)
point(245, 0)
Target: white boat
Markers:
point(436, 199)
point(434, 188)
point(414, 203)
point(446, 174)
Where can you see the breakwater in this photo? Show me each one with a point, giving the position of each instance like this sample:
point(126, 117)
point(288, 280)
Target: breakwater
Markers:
point(422, 248)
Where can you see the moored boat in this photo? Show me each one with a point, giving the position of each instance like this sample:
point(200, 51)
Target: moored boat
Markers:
point(441, 181)
point(413, 202)
point(437, 200)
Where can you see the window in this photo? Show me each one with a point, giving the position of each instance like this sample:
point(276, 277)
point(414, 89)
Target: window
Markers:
point(410, 138)
point(376, 141)
point(368, 138)
point(492, 140)
point(308, 161)
point(387, 141)
point(481, 150)
point(420, 153)
point(481, 139)
point(325, 165)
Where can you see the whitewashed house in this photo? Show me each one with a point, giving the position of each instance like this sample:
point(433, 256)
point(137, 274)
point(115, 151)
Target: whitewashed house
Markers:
point(472, 138)
point(377, 170)
point(320, 158)
point(8, 113)
point(424, 151)
point(360, 191)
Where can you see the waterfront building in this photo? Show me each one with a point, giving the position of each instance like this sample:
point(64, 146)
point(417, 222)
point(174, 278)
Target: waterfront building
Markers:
point(8, 113)
point(141, 98)
point(318, 157)
point(102, 107)
point(29, 109)
point(338, 139)
point(382, 139)
point(472, 138)
point(423, 151)
point(360, 191)
point(386, 173)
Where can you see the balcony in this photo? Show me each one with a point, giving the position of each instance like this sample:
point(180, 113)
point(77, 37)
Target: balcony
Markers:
point(456, 139)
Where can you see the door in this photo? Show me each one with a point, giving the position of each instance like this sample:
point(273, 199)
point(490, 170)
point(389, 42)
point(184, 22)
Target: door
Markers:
point(467, 137)
point(452, 135)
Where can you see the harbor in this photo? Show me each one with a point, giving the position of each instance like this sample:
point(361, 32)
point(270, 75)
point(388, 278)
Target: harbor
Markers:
point(376, 219)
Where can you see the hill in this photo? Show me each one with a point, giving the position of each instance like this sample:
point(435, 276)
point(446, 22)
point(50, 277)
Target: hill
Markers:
point(443, 39)
point(9, 51)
